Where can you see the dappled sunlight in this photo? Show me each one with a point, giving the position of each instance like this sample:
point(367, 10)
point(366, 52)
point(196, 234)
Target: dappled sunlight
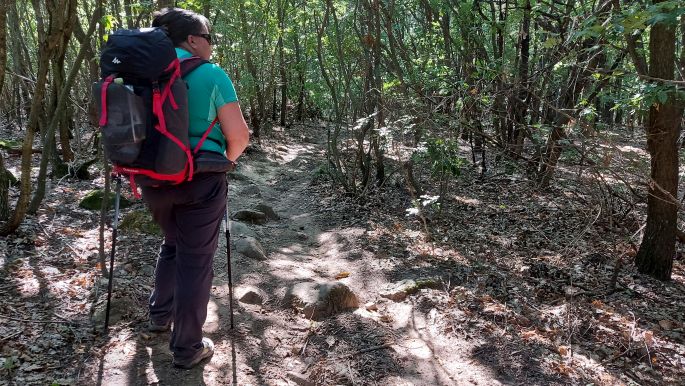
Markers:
point(414, 347)
point(292, 249)
point(212, 324)
point(123, 352)
point(632, 149)
point(292, 270)
point(149, 370)
point(467, 200)
point(27, 284)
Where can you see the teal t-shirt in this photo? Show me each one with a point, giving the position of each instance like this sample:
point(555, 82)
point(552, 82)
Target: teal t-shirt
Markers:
point(209, 88)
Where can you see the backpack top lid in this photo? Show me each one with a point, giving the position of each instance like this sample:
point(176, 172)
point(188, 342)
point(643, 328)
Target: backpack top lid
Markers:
point(137, 53)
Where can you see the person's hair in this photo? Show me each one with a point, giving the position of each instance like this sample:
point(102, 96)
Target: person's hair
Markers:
point(179, 23)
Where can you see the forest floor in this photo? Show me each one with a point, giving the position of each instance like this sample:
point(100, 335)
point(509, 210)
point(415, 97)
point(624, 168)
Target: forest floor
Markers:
point(524, 287)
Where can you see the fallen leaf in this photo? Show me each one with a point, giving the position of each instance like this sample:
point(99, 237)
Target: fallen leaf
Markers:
point(563, 351)
point(563, 369)
point(649, 338)
point(529, 334)
point(342, 275)
point(666, 324)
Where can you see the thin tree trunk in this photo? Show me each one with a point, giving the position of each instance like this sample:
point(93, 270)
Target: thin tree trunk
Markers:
point(258, 115)
point(299, 65)
point(61, 105)
point(282, 4)
point(4, 178)
point(47, 44)
point(129, 14)
point(4, 5)
point(519, 106)
point(375, 30)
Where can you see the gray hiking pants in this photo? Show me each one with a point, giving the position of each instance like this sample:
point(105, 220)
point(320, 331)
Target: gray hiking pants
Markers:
point(190, 215)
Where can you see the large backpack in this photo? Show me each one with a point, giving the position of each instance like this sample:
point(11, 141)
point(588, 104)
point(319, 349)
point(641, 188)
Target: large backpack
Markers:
point(143, 108)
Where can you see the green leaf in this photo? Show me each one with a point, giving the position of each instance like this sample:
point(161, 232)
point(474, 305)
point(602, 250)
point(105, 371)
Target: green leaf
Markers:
point(551, 42)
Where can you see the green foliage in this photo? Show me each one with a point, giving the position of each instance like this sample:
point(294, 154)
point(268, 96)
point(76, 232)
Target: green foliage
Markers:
point(93, 200)
point(140, 221)
point(9, 363)
point(443, 157)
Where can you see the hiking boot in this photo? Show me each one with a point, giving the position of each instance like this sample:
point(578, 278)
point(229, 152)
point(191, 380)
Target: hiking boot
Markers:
point(206, 352)
point(153, 327)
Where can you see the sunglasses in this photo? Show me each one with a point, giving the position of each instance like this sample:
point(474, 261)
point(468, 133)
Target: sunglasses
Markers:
point(207, 37)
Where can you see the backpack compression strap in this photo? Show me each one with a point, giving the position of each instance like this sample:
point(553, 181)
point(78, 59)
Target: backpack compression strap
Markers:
point(103, 99)
point(188, 65)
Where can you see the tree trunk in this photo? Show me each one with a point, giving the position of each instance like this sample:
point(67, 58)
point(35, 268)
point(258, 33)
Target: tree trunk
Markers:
point(655, 256)
point(518, 103)
point(47, 44)
point(3, 40)
point(54, 121)
point(4, 180)
point(129, 14)
point(300, 66)
point(377, 95)
point(282, 4)
point(255, 116)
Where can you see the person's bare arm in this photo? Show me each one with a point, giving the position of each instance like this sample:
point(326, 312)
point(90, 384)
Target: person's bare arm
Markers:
point(235, 130)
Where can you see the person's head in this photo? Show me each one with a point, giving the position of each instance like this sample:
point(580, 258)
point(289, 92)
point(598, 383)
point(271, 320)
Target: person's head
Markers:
point(187, 30)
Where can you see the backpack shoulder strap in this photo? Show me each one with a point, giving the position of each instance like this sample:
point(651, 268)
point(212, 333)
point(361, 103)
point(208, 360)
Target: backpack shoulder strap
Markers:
point(188, 65)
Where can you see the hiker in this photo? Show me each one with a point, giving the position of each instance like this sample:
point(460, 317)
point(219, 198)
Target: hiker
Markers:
point(190, 213)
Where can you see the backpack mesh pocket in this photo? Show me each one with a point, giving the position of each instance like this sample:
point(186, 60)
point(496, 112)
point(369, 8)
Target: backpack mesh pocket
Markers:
point(124, 132)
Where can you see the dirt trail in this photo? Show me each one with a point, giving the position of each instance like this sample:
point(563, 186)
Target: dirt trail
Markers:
point(510, 293)
point(272, 344)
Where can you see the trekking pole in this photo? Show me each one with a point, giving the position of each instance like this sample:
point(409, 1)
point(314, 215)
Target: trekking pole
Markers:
point(114, 245)
point(228, 256)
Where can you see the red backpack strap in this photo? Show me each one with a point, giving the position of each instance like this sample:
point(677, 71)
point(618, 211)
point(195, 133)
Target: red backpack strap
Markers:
point(174, 69)
point(103, 99)
point(205, 135)
point(188, 65)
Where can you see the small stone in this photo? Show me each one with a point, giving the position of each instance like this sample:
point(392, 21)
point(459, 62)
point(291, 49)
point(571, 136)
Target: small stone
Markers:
point(251, 190)
point(147, 270)
point(300, 379)
point(239, 229)
point(302, 236)
point(398, 291)
point(250, 247)
point(250, 215)
point(320, 300)
point(371, 306)
point(250, 295)
point(267, 210)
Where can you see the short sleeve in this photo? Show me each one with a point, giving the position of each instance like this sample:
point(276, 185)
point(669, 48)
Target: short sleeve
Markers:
point(223, 91)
